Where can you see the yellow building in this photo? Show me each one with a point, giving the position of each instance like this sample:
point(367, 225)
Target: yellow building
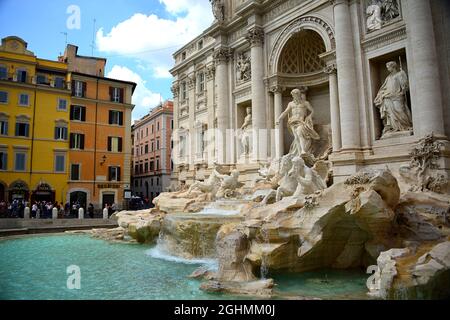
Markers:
point(34, 124)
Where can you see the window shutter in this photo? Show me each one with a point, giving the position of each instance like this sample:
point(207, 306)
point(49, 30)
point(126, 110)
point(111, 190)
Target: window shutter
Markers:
point(73, 87)
point(120, 118)
point(109, 173)
point(110, 117)
point(111, 93)
point(118, 173)
point(72, 141)
point(56, 133)
point(82, 141)
point(83, 113)
point(109, 144)
point(6, 127)
point(27, 127)
point(84, 89)
point(120, 144)
point(65, 130)
point(121, 95)
point(71, 112)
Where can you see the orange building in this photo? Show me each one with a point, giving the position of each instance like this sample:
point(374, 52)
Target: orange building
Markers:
point(100, 135)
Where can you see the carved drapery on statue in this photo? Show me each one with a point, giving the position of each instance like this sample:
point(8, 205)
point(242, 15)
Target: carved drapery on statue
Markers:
point(300, 114)
point(392, 102)
point(246, 132)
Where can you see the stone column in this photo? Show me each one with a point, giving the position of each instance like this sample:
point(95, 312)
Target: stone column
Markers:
point(256, 38)
point(427, 101)
point(221, 56)
point(279, 130)
point(346, 76)
point(334, 107)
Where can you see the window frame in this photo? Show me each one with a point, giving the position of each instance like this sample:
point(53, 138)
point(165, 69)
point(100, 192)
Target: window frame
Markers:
point(55, 166)
point(7, 97)
point(79, 171)
point(24, 153)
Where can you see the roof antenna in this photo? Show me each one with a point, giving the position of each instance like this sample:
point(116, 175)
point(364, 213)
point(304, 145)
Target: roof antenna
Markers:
point(93, 39)
point(65, 34)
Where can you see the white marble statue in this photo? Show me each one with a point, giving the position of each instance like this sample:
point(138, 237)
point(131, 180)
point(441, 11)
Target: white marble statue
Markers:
point(218, 9)
point(210, 185)
point(374, 21)
point(285, 180)
point(391, 99)
point(246, 132)
point(243, 68)
point(300, 114)
point(229, 183)
point(309, 179)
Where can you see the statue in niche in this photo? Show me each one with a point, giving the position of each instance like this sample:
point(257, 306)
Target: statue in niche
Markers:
point(218, 9)
point(300, 114)
point(373, 12)
point(243, 68)
point(246, 131)
point(391, 100)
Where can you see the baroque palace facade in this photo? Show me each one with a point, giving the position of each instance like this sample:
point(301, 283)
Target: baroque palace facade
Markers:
point(233, 82)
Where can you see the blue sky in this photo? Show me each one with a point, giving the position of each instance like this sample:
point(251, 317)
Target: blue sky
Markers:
point(137, 37)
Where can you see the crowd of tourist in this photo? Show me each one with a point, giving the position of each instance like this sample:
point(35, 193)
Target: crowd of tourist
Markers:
point(44, 209)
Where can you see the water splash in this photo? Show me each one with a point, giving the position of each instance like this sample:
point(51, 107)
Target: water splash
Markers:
point(264, 261)
point(158, 253)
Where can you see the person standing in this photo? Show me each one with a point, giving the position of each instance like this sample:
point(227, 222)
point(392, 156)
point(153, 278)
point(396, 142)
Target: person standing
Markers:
point(91, 210)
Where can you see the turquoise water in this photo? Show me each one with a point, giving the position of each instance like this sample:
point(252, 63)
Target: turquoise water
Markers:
point(36, 268)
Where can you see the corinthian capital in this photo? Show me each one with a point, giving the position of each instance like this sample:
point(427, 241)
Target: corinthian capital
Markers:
point(255, 36)
point(221, 55)
point(330, 69)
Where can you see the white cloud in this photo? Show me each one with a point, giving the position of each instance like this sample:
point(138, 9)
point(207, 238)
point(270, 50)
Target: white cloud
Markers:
point(143, 98)
point(153, 39)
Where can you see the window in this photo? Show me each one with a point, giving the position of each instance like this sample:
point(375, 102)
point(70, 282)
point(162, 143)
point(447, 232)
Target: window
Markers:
point(41, 79)
point(201, 82)
point(171, 124)
point(141, 168)
point(3, 97)
point(3, 73)
point(157, 144)
point(146, 148)
point(115, 144)
point(78, 113)
point(146, 167)
point(22, 129)
point(183, 90)
point(157, 126)
point(4, 127)
point(62, 104)
point(200, 45)
point(183, 56)
point(24, 99)
point(79, 89)
point(142, 150)
point(136, 169)
point(115, 117)
point(77, 141)
point(153, 146)
point(146, 132)
point(136, 183)
point(157, 181)
point(152, 167)
point(137, 151)
point(157, 164)
point(116, 94)
point(60, 163)
point(153, 128)
point(75, 171)
point(3, 160)
point(171, 144)
point(21, 76)
point(59, 83)
point(19, 163)
point(114, 174)
point(60, 132)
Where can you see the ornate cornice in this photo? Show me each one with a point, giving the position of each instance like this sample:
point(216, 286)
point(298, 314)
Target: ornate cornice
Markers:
point(381, 40)
point(255, 36)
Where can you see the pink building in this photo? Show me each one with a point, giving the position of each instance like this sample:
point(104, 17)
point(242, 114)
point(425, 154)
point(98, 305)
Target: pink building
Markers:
point(152, 165)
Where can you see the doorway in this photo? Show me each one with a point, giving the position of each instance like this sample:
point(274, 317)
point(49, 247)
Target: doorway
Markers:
point(108, 198)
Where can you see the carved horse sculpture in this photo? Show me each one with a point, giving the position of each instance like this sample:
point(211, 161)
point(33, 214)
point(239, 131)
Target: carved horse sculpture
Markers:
point(287, 183)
